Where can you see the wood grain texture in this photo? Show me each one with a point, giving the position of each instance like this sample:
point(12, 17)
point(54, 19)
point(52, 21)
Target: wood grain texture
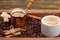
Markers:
point(38, 4)
point(30, 38)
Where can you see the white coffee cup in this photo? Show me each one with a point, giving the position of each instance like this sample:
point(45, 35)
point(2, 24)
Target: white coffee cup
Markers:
point(49, 27)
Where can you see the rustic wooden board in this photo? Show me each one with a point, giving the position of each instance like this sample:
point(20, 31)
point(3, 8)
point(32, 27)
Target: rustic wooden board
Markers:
point(30, 38)
point(38, 4)
point(12, 4)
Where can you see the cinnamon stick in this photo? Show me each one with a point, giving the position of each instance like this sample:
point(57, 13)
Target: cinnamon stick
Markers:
point(18, 33)
point(7, 32)
point(35, 17)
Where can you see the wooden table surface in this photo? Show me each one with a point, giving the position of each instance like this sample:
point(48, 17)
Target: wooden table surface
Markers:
point(29, 38)
point(38, 4)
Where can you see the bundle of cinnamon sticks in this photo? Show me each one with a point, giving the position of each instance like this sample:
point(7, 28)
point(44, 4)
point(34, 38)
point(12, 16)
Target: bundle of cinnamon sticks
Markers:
point(12, 32)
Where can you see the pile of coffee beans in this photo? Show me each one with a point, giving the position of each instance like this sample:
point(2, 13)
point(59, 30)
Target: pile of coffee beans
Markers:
point(33, 28)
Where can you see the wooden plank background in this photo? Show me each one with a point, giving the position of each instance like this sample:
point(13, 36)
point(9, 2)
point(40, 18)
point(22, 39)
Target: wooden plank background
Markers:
point(39, 4)
point(6, 4)
point(30, 38)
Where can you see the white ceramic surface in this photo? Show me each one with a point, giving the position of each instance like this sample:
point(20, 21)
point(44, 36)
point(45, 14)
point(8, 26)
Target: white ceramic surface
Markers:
point(50, 30)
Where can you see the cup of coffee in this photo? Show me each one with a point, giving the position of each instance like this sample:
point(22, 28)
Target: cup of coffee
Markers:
point(50, 26)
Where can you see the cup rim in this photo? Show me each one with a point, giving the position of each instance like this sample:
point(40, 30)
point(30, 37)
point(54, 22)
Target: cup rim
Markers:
point(18, 10)
point(42, 20)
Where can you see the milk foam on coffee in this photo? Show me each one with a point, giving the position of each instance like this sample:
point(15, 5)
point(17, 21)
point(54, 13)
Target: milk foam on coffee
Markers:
point(51, 20)
point(18, 14)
